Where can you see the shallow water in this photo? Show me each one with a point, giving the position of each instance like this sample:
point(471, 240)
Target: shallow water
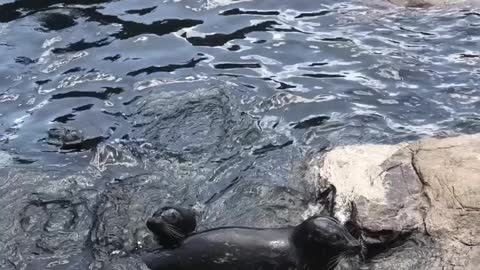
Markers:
point(109, 109)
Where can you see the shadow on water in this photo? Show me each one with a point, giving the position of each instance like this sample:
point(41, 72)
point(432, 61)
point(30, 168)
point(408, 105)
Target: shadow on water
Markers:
point(111, 109)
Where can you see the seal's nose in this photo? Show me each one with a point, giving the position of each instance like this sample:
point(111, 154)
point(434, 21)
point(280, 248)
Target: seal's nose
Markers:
point(356, 246)
point(151, 224)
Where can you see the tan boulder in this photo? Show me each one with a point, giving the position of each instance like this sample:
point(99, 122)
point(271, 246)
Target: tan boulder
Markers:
point(428, 189)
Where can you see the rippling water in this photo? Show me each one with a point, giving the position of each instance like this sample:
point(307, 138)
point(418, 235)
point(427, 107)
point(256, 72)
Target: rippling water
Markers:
point(109, 109)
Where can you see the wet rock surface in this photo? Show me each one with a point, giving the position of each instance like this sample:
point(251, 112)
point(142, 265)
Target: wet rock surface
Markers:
point(417, 204)
point(233, 173)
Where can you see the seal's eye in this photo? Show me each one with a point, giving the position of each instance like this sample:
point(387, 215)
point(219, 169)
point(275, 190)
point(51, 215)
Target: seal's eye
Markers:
point(171, 216)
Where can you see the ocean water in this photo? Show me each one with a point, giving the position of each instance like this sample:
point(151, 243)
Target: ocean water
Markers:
point(110, 109)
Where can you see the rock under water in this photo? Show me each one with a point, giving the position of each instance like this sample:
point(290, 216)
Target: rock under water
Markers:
point(94, 218)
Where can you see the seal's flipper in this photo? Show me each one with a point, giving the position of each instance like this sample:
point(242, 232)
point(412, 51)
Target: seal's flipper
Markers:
point(352, 223)
point(326, 198)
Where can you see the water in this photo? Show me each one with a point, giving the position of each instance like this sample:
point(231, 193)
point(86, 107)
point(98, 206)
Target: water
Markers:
point(110, 109)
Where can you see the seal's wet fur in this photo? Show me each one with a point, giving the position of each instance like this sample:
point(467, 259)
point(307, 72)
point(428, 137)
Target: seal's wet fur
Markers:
point(317, 243)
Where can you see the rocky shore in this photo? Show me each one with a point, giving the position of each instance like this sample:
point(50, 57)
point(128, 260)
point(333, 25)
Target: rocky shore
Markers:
point(417, 204)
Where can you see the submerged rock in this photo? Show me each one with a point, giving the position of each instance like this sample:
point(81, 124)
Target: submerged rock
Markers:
point(189, 145)
point(417, 204)
point(71, 139)
point(5, 159)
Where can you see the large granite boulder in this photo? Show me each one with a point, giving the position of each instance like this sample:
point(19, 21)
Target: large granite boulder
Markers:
point(417, 204)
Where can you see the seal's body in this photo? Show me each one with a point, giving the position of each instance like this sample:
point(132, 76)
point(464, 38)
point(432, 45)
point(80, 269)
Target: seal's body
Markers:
point(315, 244)
point(229, 248)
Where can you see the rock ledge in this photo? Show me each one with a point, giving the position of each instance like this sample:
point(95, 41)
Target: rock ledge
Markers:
point(420, 201)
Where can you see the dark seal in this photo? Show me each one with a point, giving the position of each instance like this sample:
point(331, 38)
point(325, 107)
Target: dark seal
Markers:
point(317, 243)
point(171, 225)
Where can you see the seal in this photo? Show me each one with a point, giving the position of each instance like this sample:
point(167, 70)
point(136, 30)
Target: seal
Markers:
point(171, 225)
point(319, 242)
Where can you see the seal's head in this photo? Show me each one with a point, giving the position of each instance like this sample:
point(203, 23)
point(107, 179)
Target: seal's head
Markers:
point(170, 225)
point(322, 240)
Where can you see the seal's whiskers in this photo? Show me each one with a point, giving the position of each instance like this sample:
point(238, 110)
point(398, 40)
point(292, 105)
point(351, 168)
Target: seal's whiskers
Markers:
point(335, 260)
point(172, 231)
